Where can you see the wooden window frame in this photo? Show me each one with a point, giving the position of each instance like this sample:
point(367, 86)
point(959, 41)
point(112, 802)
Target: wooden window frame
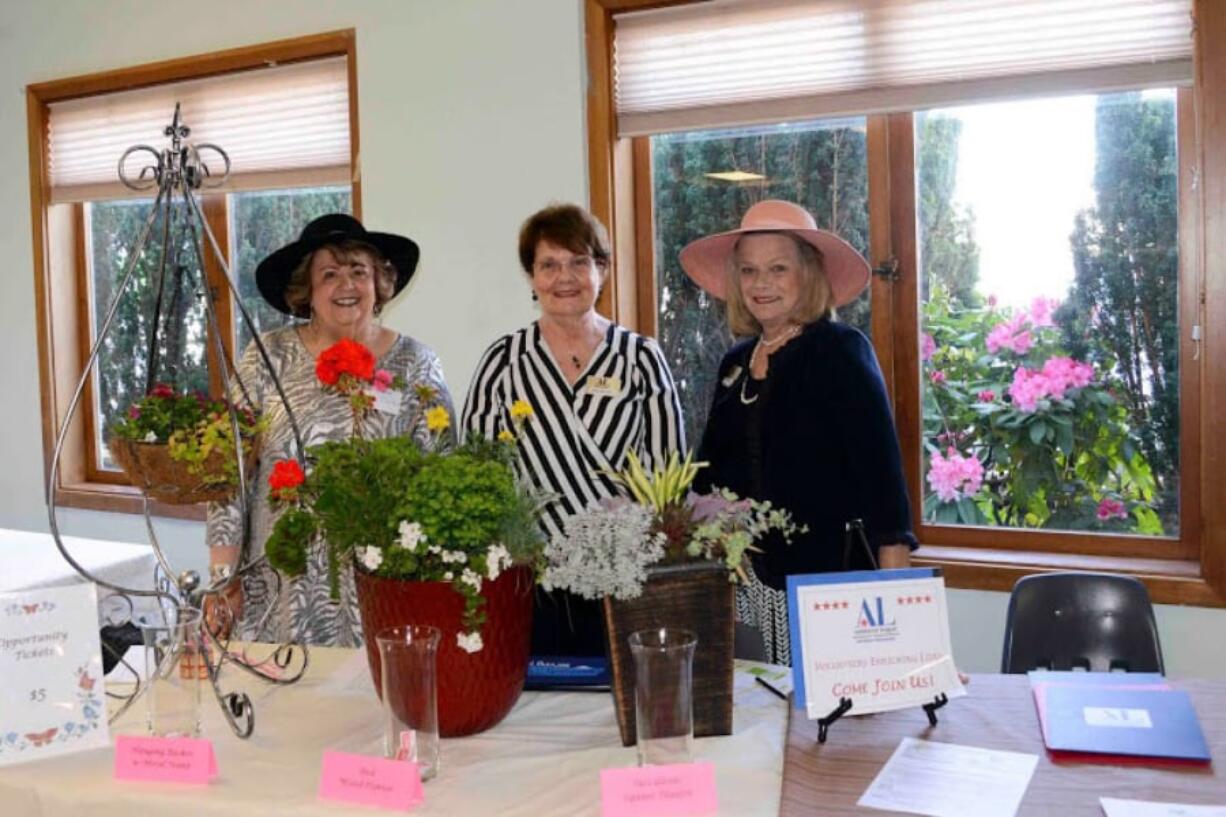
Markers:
point(1190, 569)
point(63, 310)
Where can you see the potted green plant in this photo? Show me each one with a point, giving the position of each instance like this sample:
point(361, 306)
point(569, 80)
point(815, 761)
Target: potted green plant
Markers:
point(444, 536)
point(179, 447)
point(667, 558)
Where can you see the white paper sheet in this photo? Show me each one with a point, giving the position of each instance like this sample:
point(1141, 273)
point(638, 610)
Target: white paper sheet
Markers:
point(1113, 807)
point(947, 780)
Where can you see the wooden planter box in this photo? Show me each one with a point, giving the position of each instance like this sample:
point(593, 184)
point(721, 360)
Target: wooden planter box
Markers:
point(696, 597)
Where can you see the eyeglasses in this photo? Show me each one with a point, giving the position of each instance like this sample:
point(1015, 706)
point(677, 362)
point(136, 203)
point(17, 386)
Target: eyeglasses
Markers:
point(551, 267)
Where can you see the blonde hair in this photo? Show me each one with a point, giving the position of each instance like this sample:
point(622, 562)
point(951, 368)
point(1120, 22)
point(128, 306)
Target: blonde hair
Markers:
point(298, 290)
point(816, 297)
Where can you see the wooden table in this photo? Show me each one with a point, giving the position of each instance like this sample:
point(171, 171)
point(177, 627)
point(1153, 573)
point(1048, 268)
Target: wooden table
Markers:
point(998, 713)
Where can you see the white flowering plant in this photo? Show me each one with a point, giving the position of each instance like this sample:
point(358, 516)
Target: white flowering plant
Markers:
point(606, 550)
point(449, 513)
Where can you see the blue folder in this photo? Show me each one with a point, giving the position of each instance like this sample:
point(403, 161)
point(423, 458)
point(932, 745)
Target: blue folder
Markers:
point(1136, 722)
point(567, 672)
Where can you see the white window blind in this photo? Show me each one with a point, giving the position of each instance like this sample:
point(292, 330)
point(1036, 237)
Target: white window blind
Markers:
point(740, 62)
point(281, 126)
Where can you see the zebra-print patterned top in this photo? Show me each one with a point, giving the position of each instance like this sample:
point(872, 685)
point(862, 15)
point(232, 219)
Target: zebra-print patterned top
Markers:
point(304, 610)
point(624, 401)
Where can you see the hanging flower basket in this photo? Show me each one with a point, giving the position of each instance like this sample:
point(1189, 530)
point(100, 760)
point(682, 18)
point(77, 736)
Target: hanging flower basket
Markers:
point(179, 447)
point(151, 468)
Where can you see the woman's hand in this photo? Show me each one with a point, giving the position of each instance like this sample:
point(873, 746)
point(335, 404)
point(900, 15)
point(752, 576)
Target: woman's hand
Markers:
point(891, 557)
point(222, 610)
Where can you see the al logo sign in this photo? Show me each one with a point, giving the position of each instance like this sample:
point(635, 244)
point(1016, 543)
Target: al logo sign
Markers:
point(872, 624)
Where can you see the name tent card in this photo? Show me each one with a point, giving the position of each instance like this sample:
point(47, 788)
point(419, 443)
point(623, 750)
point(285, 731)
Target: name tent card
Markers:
point(52, 699)
point(370, 781)
point(675, 790)
point(165, 760)
point(877, 637)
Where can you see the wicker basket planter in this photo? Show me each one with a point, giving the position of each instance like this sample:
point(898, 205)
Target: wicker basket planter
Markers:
point(150, 467)
point(696, 597)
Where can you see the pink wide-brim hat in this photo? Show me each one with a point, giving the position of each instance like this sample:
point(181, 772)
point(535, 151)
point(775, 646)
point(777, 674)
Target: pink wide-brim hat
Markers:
point(706, 259)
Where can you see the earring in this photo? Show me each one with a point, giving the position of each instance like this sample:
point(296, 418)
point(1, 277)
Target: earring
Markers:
point(534, 297)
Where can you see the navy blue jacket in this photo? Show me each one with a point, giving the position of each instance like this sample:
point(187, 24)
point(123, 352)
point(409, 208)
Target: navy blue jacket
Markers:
point(819, 442)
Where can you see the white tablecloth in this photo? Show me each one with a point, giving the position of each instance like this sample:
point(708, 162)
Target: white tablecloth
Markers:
point(544, 759)
point(31, 560)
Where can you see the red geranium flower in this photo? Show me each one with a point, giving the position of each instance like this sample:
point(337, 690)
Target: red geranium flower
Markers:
point(285, 478)
point(345, 357)
point(162, 390)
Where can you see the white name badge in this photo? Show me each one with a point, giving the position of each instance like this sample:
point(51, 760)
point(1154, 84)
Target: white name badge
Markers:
point(388, 402)
point(52, 699)
point(603, 386)
point(879, 638)
point(1117, 717)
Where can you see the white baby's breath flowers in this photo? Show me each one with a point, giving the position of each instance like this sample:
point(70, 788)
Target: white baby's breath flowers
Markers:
point(150, 437)
point(411, 535)
point(448, 576)
point(370, 557)
point(454, 557)
point(604, 552)
point(471, 578)
point(497, 559)
point(469, 642)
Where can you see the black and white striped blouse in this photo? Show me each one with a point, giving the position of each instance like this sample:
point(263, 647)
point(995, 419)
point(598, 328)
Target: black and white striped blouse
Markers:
point(624, 401)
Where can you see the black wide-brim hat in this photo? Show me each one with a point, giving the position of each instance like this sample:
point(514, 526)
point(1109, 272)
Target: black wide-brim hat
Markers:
point(273, 274)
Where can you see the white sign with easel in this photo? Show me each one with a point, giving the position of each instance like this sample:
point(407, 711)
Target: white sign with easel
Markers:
point(870, 641)
point(52, 699)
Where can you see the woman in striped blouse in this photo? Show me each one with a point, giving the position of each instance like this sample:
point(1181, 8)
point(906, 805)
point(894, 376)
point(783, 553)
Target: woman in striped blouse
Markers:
point(597, 390)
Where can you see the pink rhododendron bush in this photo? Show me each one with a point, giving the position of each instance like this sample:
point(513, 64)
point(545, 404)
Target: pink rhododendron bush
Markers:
point(1018, 433)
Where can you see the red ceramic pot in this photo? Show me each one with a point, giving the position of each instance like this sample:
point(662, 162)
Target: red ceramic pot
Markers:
point(475, 690)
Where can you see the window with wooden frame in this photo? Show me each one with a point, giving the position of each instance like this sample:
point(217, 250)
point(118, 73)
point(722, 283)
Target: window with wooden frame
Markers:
point(286, 114)
point(1034, 180)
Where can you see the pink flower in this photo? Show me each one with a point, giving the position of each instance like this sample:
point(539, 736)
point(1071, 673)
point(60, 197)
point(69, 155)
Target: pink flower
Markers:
point(1027, 389)
point(1010, 335)
point(955, 476)
point(986, 396)
point(928, 346)
point(991, 301)
point(133, 412)
point(1040, 311)
point(382, 379)
point(1111, 509)
point(937, 377)
point(1058, 375)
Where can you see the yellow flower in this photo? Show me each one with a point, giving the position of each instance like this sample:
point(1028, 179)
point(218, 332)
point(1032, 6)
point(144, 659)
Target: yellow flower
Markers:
point(521, 410)
point(437, 419)
point(505, 436)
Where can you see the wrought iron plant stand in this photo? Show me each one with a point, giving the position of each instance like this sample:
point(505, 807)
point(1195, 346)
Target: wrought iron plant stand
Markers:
point(177, 173)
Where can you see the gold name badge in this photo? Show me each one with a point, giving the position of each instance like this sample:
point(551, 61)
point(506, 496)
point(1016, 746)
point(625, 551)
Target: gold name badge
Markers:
point(604, 385)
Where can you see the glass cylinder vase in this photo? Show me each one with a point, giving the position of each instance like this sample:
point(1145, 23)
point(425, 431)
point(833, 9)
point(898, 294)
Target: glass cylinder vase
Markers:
point(410, 695)
point(663, 694)
point(175, 670)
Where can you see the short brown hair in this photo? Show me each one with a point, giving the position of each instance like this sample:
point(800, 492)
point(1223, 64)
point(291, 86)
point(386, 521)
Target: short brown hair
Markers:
point(566, 225)
point(816, 297)
point(298, 290)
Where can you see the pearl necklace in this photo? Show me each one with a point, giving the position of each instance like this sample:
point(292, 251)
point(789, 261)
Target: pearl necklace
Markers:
point(753, 357)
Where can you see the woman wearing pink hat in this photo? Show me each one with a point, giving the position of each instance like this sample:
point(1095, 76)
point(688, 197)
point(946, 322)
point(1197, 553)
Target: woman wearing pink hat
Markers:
point(800, 415)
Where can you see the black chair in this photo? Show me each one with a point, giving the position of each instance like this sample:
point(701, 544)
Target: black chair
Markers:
point(1097, 622)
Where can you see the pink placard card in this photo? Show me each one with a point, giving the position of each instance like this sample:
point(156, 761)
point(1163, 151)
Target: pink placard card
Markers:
point(676, 790)
point(370, 781)
point(165, 760)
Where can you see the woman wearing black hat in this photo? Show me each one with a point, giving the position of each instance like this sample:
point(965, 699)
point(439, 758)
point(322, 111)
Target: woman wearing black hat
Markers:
point(336, 278)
